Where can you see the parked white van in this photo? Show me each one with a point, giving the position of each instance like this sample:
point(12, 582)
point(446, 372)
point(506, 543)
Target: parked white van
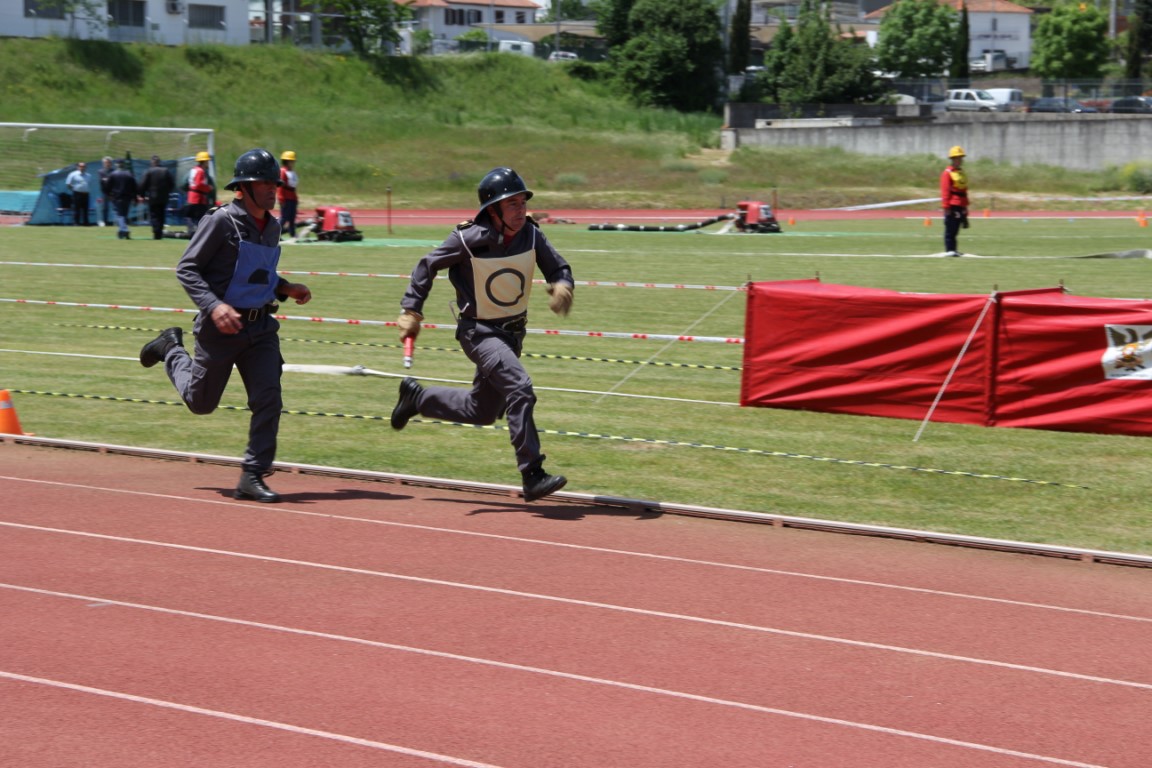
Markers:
point(970, 100)
point(1009, 99)
point(517, 46)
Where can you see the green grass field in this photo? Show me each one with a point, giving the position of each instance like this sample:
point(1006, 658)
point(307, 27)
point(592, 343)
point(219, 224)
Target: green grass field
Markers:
point(92, 388)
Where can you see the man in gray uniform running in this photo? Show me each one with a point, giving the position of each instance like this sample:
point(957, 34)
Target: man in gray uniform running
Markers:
point(490, 262)
point(229, 272)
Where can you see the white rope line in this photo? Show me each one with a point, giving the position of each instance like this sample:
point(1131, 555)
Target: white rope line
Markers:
point(359, 370)
point(592, 283)
point(634, 371)
point(392, 323)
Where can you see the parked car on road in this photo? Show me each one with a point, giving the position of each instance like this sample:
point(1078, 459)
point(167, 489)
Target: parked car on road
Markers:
point(1060, 104)
point(1132, 105)
point(970, 100)
point(562, 56)
point(1009, 99)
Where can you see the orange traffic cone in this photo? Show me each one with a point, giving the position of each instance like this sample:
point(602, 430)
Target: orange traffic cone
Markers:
point(927, 221)
point(9, 424)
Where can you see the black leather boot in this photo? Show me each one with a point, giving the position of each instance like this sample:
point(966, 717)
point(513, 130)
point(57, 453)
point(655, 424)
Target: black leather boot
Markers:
point(253, 488)
point(405, 409)
point(156, 350)
point(538, 483)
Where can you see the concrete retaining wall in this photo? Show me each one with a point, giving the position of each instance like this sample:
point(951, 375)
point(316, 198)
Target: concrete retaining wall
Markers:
point(1080, 142)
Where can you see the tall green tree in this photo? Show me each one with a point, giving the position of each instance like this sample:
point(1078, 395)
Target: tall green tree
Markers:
point(675, 55)
point(369, 25)
point(917, 39)
point(819, 66)
point(1071, 42)
point(962, 43)
point(570, 10)
point(612, 21)
point(1139, 40)
point(775, 61)
point(740, 37)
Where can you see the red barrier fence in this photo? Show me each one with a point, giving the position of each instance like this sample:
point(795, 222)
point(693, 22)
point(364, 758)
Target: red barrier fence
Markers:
point(1037, 358)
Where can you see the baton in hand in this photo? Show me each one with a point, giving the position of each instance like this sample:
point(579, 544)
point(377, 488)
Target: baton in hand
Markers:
point(409, 347)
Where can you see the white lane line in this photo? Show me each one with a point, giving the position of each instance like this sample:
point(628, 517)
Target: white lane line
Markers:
point(540, 671)
point(446, 759)
point(627, 553)
point(601, 606)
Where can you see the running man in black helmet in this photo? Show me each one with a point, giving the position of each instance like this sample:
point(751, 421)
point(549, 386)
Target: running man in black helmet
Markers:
point(490, 262)
point(229, 272)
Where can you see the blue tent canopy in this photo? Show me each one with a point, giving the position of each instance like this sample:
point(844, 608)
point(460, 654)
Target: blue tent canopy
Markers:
point(50, 205)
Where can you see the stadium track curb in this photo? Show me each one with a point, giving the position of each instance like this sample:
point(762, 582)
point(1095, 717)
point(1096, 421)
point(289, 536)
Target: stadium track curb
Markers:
point(635, 505)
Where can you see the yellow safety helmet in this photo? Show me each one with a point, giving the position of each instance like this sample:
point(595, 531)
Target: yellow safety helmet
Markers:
point(956, 151)
point(203, 157)
point(289, 155)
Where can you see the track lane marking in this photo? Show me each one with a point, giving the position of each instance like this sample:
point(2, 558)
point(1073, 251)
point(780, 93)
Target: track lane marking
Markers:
point(502, 665)
point(605, 550)
point(446, 759)
point(602, 606)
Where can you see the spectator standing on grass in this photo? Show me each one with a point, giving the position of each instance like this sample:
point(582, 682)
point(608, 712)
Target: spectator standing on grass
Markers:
point(954, 200)
point(78, 187)
point(105, 202)
point(122, 189)
point(229, 272)
point(490, 262)
point(156, 188)
point(287, 193)
point(201, 191)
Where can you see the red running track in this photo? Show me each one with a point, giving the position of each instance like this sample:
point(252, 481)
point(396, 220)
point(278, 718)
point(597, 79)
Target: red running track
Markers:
point(151, 620)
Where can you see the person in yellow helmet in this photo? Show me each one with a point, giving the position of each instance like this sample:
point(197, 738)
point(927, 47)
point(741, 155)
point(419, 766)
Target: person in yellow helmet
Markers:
point(286, 194)
point(954, 200)
point(201, 191)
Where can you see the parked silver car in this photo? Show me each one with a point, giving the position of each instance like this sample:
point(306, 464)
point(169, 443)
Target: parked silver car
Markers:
point(970, 100)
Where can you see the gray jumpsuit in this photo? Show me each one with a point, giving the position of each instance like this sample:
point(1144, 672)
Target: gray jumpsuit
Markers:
point(206, 273)
point(493, 280)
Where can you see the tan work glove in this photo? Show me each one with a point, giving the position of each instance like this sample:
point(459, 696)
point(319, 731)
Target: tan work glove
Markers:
point(409, 323)
point(560, 298)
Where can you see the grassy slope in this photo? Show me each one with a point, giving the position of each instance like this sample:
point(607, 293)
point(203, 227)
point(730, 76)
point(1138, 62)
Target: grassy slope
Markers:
point(429, 128)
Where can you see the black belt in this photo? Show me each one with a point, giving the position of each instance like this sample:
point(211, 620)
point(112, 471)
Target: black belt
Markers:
point(514, 325)
point(252, 315)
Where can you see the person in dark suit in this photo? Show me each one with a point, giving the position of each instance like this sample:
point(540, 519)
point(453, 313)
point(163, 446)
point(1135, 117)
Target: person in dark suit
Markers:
point(155, 189)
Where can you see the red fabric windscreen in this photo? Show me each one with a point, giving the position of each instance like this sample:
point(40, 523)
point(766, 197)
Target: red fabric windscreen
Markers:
point(1074, 363)
point(845, 349)
point(1038, 358)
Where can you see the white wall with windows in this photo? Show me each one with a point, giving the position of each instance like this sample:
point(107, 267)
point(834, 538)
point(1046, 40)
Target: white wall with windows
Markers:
point(448, 19)
point(168, 22)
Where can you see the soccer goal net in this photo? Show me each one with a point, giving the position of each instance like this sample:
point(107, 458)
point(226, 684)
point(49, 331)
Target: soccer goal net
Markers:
point(30, 152)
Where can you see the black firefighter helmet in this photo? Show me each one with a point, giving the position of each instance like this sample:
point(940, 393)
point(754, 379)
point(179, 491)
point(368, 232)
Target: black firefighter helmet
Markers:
point(255, 165)
point(500, 184)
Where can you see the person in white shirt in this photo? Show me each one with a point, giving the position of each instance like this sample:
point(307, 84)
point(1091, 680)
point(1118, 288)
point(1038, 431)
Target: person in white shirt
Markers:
point(77, 183)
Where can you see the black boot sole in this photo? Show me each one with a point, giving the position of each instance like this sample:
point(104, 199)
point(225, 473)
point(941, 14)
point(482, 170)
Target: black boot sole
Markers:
point(553, 484)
